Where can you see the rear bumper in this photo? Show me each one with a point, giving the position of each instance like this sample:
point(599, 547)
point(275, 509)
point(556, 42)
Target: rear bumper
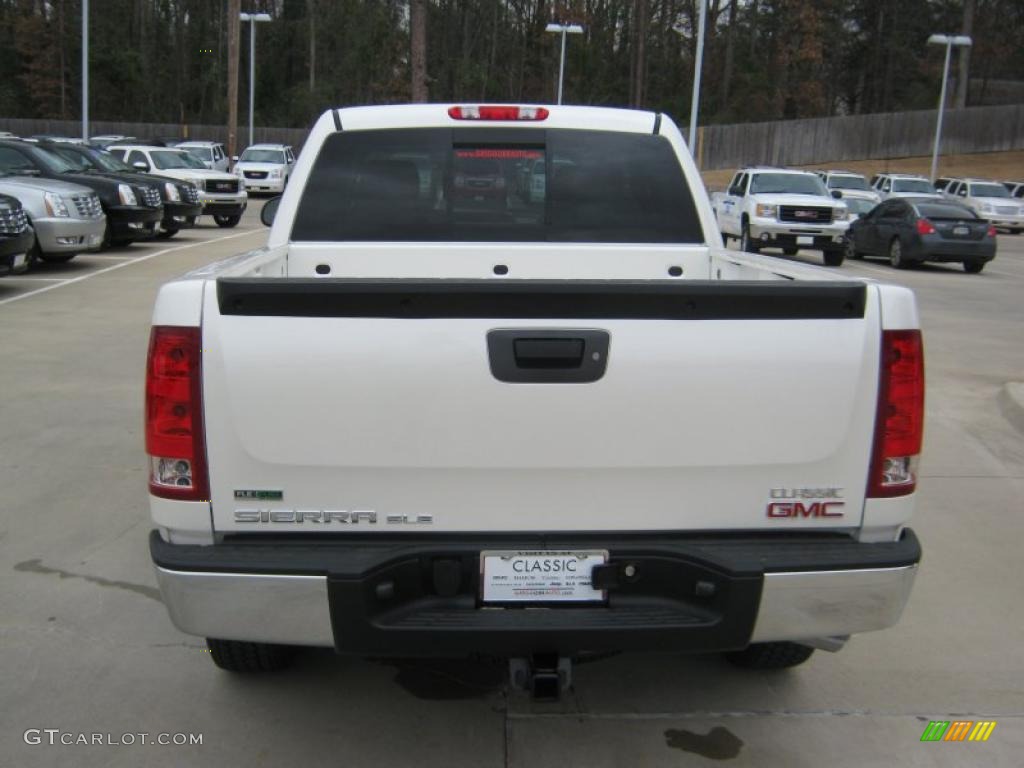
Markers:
point(419, 597)
point(932, 248)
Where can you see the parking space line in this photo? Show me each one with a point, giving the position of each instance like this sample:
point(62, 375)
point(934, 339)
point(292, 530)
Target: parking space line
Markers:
point(42, 279)
point(135, 260)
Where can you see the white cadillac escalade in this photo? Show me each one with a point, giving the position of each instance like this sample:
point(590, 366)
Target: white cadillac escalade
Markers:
point(441, 414)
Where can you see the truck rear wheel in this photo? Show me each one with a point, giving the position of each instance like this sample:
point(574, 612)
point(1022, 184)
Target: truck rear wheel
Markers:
point(779, 655)
point(239, 656)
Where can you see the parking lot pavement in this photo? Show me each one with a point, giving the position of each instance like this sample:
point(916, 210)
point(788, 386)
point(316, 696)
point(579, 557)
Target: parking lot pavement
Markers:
point(88, 647)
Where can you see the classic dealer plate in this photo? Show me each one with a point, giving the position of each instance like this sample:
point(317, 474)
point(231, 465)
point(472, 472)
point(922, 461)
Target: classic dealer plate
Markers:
point(545, 576)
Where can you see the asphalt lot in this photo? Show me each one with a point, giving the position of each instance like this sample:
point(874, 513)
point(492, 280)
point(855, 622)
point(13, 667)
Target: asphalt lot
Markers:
point(88, 647)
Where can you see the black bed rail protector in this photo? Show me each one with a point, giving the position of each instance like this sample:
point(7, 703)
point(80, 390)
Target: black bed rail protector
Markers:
point(542, 299)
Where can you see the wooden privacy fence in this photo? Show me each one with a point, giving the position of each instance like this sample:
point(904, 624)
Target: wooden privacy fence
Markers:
point(782, 142)
point(861, 137)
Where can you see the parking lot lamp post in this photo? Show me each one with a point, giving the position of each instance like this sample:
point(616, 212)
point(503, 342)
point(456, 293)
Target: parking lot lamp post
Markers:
point(949, 41)
point(85, 70)
point(252, 18)
point(570, 29)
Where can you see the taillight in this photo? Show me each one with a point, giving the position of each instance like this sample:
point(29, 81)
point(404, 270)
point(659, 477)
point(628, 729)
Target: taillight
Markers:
point(925, 227)
point(497, 113)
point(899, 422)
point(991, 231)
point(175, 438)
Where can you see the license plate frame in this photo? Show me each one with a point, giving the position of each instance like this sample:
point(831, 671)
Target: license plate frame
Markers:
point(961, 230)
point(19, 260)
point(502, 582)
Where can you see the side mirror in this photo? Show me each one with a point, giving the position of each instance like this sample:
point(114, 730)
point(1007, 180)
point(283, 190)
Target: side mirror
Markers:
point(269, 210)
point(837, 194)
point(234, 158)
point(140, 165)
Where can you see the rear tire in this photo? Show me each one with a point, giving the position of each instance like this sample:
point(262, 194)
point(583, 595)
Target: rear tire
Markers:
point(973, 267)
point(226, 221)
point(239, 656)
point(779, 655)
point(834, 258)
point(896, 259)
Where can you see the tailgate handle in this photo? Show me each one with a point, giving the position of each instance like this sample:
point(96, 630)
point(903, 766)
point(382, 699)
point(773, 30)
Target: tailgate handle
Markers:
point(547, 356)
point(548, 353)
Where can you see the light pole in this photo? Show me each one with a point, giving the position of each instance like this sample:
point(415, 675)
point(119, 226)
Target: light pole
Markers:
point(252, 18)
point(691, 138)
point(85, 70)
point(949, 41)
point(570, 29)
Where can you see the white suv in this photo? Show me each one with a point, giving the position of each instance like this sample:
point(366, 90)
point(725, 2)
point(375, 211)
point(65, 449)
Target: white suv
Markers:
point(990, 200)
point(265, 167)
point(223, 197)
point(903, 185)
point(210, 153)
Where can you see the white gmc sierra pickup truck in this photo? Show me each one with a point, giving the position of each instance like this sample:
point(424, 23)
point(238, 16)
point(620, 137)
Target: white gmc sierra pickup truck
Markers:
point(437, 417)
point(766, 207)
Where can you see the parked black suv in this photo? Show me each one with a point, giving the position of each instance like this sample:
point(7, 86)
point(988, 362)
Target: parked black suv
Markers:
point(181, 200)
point(16, 236)
point(133, 209)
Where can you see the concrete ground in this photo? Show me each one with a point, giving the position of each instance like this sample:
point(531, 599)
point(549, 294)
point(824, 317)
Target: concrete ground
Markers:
point(87, 646)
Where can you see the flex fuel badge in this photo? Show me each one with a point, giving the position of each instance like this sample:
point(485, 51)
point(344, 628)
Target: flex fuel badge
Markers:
point(253, 495)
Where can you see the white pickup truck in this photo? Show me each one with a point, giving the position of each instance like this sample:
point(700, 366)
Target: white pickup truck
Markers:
point(782, 208)
point(420, 424)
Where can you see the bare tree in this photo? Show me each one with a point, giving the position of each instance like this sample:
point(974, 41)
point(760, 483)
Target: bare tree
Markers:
point(234, 32)
point(418, 53)
point(311, 10)
point(964, 53)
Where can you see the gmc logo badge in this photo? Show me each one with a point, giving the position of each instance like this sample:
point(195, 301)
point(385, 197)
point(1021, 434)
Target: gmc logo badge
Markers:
point(799, 509)
point(805, 214)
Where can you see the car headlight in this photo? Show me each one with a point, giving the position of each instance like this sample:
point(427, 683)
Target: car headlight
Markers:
point(172, 192)
point(55, 205)
point(276, 173)
point(767, 211)
point(840, 214)
point(126, 195)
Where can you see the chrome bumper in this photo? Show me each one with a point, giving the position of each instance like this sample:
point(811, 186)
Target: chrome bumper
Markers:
point(63, 235)
point(293, 610)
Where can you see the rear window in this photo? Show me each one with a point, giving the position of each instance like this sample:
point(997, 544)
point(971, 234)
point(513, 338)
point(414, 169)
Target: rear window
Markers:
point(944, 211)
point(497, 185)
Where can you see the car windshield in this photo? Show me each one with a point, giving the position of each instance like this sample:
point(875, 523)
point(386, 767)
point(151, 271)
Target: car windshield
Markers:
point(165, 160)
point(52, 162)
point(75, 159)
point(847, 182)
point(858, 206)
point(790, 183)
point(989, 190)
point(912, 185)
point(108, 162)
point(203, 153)
point(945, 211)
point(262, 156)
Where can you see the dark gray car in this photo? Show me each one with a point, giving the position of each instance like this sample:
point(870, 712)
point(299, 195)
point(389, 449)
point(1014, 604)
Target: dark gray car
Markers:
point(911, 230)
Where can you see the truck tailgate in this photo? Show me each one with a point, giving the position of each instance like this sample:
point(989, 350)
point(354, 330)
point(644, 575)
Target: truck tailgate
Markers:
point(378, 401)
